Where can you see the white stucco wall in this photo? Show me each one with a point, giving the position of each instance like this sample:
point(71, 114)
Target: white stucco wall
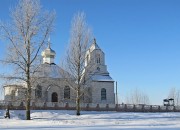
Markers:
point(52, 85)
point(96, 92)
point(19, 93)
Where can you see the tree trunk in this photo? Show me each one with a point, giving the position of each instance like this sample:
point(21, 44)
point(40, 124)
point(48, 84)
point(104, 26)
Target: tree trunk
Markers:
point(78, 103)
point(28, 100)
point(28, 117)
point(28, 24)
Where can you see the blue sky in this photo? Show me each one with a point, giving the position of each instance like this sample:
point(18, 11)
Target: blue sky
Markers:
point(140, 38)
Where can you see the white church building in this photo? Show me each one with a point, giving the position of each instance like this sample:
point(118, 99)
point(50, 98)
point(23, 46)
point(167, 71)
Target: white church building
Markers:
point(51, 85)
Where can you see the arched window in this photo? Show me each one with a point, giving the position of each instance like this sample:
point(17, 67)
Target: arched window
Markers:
point(98, 69)
point(54, 97)
point(98, 58)
point(87, 58)
point(38, 91)
point(103, 94)
point(66, 92)
point(12, 94)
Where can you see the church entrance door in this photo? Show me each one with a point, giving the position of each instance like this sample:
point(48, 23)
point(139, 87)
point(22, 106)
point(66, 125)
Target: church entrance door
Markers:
point(54, 97)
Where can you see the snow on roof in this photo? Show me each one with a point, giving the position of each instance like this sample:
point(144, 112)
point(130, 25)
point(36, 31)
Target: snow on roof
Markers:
point(16, 83)
point(49, 71)
point(102, 78)
point(48, 50)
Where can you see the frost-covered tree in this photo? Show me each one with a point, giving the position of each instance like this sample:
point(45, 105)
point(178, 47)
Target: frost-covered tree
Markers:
point(137, 97)
point(175, 94)
point(76, 55)
point(25, 35)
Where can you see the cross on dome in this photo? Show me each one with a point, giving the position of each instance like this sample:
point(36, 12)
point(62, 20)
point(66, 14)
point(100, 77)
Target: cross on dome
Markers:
point(48, 54)
point(49, 43)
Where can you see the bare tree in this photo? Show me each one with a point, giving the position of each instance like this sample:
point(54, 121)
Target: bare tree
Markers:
point(76, 55)
point(137, 97)
point(25, 35)
point(175, 94)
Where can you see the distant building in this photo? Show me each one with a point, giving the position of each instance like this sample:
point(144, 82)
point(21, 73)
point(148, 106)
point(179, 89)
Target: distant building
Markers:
point(50, 86)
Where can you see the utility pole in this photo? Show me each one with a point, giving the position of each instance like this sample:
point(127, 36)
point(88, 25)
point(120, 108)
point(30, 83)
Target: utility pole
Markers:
point(116, 94)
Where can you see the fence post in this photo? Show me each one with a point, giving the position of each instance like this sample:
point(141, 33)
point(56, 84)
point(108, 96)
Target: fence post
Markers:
point(67, 106)
point(107, 107)
point(150, 108)
point(45, 106)
point(125, 107)
point(174, 109)
point(166, 108)
point(22, 105)
point(159, 108)
point(87, 107)
point(116, 107)
point(142, 108)
point(97, 107)
point(134, 108)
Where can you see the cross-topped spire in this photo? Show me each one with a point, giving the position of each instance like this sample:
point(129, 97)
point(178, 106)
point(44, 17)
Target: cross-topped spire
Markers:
point(94, 40)
point(49, 44)
point(94, 45)
point(48, 54)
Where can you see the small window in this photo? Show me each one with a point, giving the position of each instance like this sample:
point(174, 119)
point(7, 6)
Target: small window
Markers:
point(38, 91)
point(103, 94)
point(87, 58)
point(66, 92)
point(98, 58)
point(12, 94)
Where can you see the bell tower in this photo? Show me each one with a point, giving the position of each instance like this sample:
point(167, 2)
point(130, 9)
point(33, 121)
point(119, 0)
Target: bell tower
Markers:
point(101, 85)
point(95, 59)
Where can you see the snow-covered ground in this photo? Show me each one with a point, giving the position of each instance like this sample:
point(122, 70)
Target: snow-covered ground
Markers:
point(54, 119)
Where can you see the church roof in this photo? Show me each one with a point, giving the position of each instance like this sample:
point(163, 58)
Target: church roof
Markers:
point(102, 78)
point(16, 84)
point(94, 46)
point(49, 71)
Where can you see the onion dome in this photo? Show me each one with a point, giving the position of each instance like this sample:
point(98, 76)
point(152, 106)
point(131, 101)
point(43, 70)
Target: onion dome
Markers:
point(48, 54)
